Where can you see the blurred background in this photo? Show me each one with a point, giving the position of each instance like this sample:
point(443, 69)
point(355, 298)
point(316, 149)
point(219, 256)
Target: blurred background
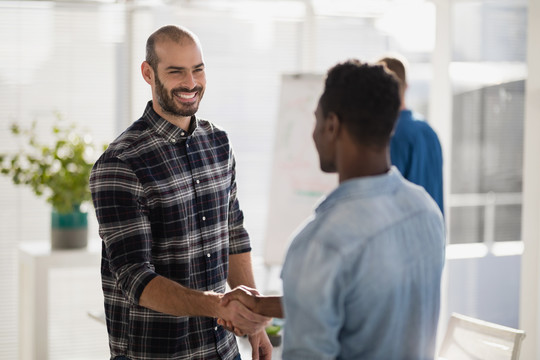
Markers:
point(467, 71)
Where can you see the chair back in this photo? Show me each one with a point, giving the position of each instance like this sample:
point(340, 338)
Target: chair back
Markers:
point(468, 338)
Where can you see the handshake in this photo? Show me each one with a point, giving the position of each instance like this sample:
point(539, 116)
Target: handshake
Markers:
point(246, 312)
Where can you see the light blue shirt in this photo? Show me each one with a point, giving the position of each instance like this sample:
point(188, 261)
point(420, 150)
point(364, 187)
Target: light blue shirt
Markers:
point(361, 280)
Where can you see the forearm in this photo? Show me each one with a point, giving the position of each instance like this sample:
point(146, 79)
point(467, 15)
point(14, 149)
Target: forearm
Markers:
point(169, 297)
point(240, 270)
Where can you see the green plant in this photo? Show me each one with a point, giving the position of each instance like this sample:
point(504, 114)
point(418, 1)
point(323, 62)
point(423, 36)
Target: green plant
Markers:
point(273, 330)
point(59, 171)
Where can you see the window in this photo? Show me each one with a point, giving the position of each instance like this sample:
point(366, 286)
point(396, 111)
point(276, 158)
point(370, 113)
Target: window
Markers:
point(487, 124)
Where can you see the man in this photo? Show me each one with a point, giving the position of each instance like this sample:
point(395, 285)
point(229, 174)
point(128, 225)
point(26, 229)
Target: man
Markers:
point(361, 280)
point(415, 148)
point(165, 198)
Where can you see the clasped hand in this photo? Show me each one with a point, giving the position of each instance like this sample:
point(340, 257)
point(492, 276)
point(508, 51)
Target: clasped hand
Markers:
point(239, 315)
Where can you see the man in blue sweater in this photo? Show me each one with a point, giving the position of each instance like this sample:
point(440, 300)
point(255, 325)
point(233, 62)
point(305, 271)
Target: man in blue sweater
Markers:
point(415, 148)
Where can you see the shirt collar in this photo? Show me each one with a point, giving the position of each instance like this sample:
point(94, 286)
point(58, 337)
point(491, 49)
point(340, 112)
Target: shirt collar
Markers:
point(164, 128)
point(362, 187)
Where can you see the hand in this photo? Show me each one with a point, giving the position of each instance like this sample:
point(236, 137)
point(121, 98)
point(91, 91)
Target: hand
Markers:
point(261, 346)
point(270, 306)
point(244, 294)
point(236, 317)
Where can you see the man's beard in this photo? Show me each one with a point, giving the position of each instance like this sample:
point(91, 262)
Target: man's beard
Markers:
point(167, 103)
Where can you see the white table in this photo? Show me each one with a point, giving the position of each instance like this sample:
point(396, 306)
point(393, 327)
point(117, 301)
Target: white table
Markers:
point(35, 261)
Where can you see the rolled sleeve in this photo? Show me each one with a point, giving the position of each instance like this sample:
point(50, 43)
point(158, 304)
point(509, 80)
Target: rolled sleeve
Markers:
point(123, 225)
point(238, 236)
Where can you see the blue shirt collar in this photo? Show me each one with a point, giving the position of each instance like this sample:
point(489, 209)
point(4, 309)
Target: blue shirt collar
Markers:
point(362, 187)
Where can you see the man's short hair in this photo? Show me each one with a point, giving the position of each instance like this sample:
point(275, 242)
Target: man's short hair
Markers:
point(365, 98)
point(169, 32)
point(398, 67)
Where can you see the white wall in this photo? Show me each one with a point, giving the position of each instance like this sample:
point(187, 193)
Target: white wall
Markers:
point(530, 272)
point(485, 287)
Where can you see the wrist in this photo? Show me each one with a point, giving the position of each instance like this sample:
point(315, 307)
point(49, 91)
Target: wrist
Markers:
point(261, 332)
point(214, 306)
point(258, 303)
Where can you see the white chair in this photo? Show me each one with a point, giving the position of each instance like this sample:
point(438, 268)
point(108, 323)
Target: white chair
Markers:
point(468, 338)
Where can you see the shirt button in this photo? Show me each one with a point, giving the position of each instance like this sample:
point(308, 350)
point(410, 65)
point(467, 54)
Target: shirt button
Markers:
point(204, 218)
point(216, 328)
point(187, 145)
point(173, 140)
point(182, 133)
point(208, 255)
point(197, 181)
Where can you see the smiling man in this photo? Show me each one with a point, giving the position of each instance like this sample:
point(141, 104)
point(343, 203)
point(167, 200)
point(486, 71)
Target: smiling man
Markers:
point(172, 229)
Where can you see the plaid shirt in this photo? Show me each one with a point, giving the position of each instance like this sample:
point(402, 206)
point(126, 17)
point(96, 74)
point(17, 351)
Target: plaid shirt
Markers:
point(166, 204)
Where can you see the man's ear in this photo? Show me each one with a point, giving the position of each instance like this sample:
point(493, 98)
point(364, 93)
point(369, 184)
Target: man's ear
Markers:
point(332, 124)
point(147, 73)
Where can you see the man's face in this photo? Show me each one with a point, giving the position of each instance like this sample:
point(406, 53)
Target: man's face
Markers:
point(180, 79)
point(323, 142)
